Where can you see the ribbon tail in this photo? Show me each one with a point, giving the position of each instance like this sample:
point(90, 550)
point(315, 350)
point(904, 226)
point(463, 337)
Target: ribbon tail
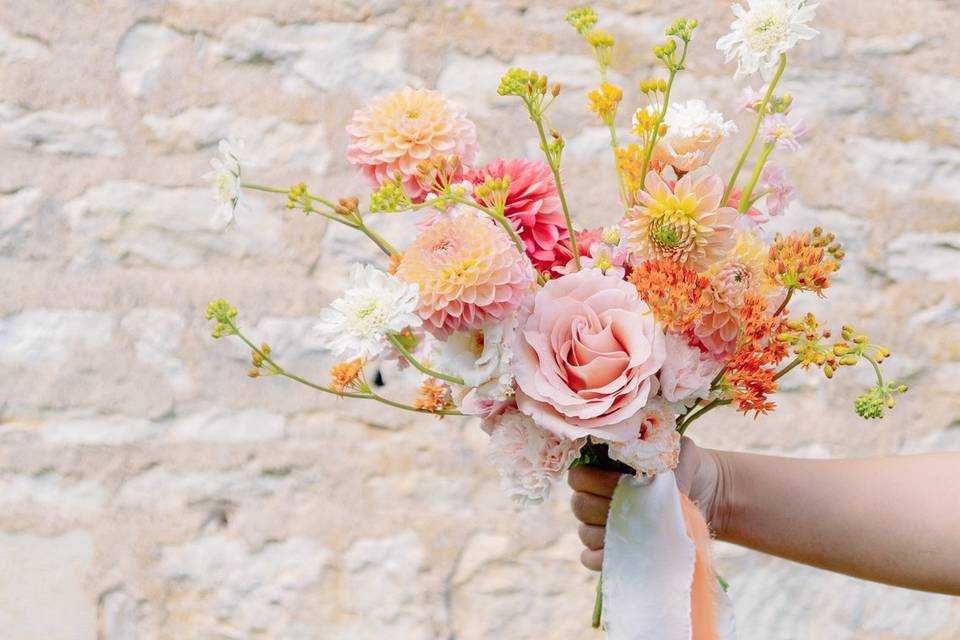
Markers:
point(658, 576)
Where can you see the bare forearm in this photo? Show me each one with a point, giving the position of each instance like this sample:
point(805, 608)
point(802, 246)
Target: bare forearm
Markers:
point(893, 520)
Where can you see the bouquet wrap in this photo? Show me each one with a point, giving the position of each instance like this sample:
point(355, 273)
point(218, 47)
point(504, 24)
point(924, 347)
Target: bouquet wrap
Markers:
point(656, 537)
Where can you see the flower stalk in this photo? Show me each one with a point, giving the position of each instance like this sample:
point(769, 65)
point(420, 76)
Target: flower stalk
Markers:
point(416, 364)
point(761, 114)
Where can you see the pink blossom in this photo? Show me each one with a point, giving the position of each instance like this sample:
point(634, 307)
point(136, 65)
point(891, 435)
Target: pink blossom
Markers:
point(532, 206)
point(749, 219)
point(776, 130)
point(529, 459)
point(750, 99)
point(779, 192)
point(687, 371)
point(392, 134)
point(586, 357)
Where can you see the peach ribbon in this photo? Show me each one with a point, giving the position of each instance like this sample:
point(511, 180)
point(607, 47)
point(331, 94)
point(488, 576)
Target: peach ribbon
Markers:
point(658, 577)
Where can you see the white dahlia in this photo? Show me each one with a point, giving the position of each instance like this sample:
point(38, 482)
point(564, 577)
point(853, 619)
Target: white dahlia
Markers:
point(375, 304)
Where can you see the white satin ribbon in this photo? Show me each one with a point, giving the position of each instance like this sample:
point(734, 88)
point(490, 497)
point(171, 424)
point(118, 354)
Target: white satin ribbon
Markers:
point(648, 565)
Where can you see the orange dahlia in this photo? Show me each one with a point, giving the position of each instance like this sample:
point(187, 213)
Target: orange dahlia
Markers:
point(467, 269)
point(393, 134)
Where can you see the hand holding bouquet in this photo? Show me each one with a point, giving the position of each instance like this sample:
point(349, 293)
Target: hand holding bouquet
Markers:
point(582, 346)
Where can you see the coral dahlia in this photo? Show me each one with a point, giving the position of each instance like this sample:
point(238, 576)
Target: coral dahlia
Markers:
point(393, 134)
point(467, 269)
point(532, 206)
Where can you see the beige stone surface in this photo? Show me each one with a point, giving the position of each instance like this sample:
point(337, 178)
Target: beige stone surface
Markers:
point(150, 491)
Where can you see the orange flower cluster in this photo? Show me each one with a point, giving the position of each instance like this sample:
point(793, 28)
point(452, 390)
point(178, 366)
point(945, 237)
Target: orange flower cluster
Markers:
point(751, 370)
point(345, 375)
point(804, 261)
point(677, 295)
point(434, 396)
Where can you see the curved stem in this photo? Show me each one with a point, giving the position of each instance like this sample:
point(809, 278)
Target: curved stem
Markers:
point(368, 395)
point(378, 240)
point(748, 190)
point(399, 405)
point(682, 428)
point(786, 301)
point(761, 114)
point(395, 341)
point(663, 114)
point(555, 169)
point(787, 369)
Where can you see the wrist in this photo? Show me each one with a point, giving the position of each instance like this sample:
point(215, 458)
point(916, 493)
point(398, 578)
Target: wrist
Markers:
point(720, 509)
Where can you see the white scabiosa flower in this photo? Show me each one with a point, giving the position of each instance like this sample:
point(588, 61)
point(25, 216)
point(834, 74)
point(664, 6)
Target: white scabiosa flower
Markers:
point(764, 30)
point(528, 458)
point(693, 134)
point(375, 304)
point(225, 179)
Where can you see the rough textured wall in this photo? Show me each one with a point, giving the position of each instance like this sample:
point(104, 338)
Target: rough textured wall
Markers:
point(149, 490)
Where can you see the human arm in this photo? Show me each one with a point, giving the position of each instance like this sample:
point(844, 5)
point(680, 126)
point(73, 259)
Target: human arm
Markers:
point(894, 520)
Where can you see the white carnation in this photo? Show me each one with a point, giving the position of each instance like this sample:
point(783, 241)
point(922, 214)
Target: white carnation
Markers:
point(657, 447)
point(528, 458)
point(375, 304)
point(764, 30)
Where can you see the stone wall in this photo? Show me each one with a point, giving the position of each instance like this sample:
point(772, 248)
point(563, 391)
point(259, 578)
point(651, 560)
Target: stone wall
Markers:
point(150, 491)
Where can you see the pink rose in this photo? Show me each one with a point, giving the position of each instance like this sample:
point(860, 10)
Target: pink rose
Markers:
point(586, 357)
point(687, 371)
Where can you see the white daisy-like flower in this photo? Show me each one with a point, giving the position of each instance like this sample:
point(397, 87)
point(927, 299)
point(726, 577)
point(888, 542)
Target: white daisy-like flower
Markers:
point(376, 304)
point(225, 179)
point(528, 458)
point(764, 30)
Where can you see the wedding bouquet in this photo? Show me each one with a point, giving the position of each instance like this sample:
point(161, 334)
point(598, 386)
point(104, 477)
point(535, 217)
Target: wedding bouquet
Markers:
point(586, 346)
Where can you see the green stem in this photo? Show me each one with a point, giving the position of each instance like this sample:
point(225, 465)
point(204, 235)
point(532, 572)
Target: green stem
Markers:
point(260, 187)
point(683, 426)
point(787, 369)
point(399, 405)
point(357, 222)
point(761, 114)
point(556, 178)
point(663, 114)
point(748, 191)
point(369, 395)
point(395, 341)
point(598, 604)
point(876, 368)
point(378, 240)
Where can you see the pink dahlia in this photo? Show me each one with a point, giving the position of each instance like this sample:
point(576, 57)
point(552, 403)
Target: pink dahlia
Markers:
point(468, 269)
point(684, 221)
point(394, 133)
point(532, 205)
